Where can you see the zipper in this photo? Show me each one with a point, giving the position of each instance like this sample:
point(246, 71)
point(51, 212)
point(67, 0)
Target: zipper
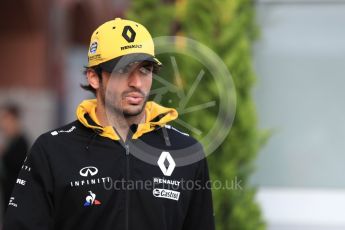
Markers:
point(127, 180)
point(126, 145)
point(127, 176)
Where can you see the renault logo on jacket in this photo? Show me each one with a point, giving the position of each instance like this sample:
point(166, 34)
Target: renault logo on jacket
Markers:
point(88, 171)
point(167, 171)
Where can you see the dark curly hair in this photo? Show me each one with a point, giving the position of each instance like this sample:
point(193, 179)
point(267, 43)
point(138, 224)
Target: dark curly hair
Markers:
point(88, 87)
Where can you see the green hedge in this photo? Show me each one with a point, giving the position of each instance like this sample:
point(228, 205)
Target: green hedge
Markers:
point(228, 28)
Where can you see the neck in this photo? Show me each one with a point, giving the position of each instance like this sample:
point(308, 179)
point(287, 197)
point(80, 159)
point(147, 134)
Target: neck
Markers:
point(118, 121)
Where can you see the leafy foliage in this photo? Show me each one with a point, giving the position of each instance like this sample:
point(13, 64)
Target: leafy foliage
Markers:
point(228, 28)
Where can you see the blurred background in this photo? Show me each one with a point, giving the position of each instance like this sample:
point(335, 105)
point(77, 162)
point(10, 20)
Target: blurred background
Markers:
point(287, 61)
point(299, 61)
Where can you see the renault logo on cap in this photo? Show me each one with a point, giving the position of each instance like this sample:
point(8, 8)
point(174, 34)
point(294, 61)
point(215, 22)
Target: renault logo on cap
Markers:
point(88, 171)
point(128, 33)
point(167, 171)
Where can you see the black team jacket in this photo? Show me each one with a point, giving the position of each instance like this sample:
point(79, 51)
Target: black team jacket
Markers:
point(83, 176)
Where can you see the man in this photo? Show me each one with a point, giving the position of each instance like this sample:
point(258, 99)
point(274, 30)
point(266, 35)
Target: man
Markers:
point(85, 175)
point(13, 148)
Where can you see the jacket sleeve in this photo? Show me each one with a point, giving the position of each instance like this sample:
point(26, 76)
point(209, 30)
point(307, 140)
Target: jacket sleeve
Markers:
point(31, 205)
point(200, 212)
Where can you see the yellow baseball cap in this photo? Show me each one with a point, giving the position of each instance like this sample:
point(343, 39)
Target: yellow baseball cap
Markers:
point(119, 42)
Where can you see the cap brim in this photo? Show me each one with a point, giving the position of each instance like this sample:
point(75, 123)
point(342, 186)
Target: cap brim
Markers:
point(123, 61)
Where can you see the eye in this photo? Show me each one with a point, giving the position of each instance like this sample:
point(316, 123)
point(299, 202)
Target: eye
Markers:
point(123, 70)
point(146, 69)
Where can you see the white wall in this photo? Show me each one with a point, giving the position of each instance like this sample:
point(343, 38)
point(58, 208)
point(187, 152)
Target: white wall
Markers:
point(300, 95)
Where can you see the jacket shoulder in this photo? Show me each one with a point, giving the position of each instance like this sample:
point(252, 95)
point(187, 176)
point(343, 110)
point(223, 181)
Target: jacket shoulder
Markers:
point(183, 139)
point(69, 128)
point(69, 131)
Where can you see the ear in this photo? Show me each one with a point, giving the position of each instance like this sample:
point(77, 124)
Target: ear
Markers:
point(93, 79)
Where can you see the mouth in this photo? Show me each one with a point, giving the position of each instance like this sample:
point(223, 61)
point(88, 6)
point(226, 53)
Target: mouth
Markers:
point(134, 98)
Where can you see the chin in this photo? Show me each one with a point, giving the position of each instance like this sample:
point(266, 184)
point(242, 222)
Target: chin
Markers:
point(132, 110)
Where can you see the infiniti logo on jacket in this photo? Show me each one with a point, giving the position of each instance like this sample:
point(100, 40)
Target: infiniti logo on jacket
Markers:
point(88, 171)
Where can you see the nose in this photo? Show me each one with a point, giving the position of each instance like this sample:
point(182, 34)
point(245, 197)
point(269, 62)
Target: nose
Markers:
point(134, 79)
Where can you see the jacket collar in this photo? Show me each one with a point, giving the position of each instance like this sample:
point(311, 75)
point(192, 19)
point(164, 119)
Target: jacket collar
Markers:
point(156, 116)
